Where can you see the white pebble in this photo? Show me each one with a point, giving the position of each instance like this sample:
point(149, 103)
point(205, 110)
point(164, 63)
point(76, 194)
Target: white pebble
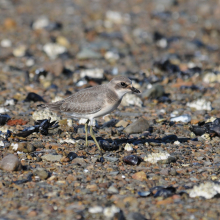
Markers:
point(182, 118)
point(200, 104)
point(128, 147)
point(211, 119)
point(53, 50)
point(95, 209)
point(70, 122)
point(114, 17)
point(2, 144)
point(68, 141)
point(131, 99)
point(111, 56)
point(3, 110)
point(6, 43)
point(20, 51)
point(30, 62)
point(154, 157)
point(45, 114)
point(162, 43)
point(41, 23)
point(109, 212)
point(174, 114)
point(15, 146)
point(207, 190)
point(93, 73)
point(9, 102)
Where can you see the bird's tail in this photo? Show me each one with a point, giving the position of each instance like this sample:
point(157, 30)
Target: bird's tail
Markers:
point(54, 106)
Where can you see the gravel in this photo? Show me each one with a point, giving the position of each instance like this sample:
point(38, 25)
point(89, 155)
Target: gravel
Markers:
point(162, 152)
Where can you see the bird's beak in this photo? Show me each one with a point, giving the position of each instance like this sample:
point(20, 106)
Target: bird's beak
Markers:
point(134, 90)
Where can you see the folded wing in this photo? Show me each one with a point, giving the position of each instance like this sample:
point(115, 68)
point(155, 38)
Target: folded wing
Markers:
point(86, 101)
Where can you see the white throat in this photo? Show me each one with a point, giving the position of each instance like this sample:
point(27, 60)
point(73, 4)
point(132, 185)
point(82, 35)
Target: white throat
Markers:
point(121, 93)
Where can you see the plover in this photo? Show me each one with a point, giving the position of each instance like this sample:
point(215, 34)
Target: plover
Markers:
point(94, 102)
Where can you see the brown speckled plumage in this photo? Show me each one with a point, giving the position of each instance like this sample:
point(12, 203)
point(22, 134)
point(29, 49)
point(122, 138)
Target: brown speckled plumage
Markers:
point(95, 101)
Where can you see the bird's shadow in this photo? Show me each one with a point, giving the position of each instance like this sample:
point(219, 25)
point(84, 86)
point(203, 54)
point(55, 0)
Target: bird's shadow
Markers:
point(109, 144)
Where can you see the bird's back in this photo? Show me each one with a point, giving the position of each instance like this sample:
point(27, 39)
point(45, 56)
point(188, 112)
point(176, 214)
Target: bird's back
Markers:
point(86, 101)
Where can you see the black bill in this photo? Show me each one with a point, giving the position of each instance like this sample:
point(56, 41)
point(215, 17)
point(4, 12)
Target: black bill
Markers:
point(135, 90)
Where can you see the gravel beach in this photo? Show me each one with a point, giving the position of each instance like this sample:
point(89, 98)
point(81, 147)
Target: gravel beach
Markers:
point(162, 146)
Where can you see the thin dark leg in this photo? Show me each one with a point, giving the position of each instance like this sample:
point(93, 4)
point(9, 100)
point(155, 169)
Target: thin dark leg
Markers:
point(86, 129)
point(96, 142)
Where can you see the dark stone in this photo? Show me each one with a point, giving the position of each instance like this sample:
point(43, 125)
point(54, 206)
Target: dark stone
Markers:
point(72, 155)
point(33, 97)
point(135, 216)
point(132, 160)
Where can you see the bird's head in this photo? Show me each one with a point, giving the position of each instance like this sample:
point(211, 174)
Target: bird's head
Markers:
point(122, 85)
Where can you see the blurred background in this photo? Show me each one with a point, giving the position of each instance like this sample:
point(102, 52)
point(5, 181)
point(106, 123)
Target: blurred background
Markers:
point(43, 42)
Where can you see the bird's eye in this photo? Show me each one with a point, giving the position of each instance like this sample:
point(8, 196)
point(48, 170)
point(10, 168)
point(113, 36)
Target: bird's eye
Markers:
point(123, 84)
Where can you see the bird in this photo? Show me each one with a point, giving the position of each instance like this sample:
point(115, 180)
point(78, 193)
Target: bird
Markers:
point(94, 102)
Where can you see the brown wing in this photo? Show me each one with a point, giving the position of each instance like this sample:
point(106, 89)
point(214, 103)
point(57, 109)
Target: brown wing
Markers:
point(86, 101)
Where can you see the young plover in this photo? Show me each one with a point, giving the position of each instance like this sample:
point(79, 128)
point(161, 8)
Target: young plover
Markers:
point(94, 102)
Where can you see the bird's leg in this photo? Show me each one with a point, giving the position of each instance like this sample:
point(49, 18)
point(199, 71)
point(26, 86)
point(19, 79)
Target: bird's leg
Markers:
point(86, 130)
point(96, 142)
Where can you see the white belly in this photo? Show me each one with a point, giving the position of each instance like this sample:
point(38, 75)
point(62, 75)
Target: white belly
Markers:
point(104, 111)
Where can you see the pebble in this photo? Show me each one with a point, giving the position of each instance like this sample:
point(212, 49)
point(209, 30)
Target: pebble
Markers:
point(111, 57)
point(45, 114)
point(138, 126)
point(155, 157)
point(42, 173)
point(116, 17)
point(207, 190)
point(68, 141)
point(4, 118)
point(20, 51)
point(155, 91)
point(131, 99)
point(10, 163)
point(6, 43)
point(2, 144)
point(3, 110)
point(9, 102)
point(40, 23)
point(72, 155)
point(128, 147)
point(113, 190)
point(111, 159)
point(95, 73)
point(200, 104)
point(170, 69)
point(95, 209)
point(20, 146)
point(109, 212)
point(135, 216)
point(182, 118)
point(53, 50)
point(141, 176)
point(132, 160)
point(51, 157)
point(87, 53)
point(122, 123)
point(61, 40)
point(211, 77)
